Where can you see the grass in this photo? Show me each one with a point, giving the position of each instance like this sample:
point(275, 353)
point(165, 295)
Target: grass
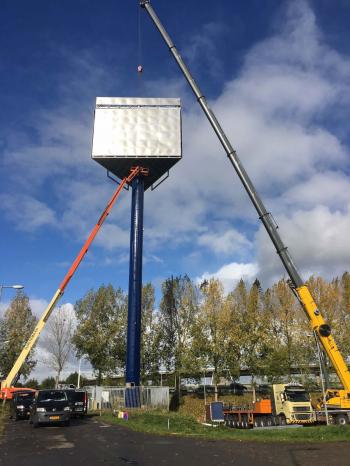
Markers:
point(192, 405)
point(156, 422)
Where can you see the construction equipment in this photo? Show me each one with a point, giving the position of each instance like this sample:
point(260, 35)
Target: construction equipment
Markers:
point(288, 404)
point(6, 389)
point(335, 399)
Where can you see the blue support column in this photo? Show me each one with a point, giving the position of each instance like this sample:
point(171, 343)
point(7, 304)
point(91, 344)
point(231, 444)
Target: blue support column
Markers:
point(135, 285)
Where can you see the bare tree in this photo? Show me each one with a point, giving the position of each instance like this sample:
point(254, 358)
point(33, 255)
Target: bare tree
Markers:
point(58, 341)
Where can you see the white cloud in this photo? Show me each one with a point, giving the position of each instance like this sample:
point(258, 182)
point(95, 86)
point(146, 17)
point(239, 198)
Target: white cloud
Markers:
point(230, 274)
point(201, 49)
point(317, 240)
point(38, 306)
point(227, 242)
point(330, 188)
point(112, 236)
point(27, 212)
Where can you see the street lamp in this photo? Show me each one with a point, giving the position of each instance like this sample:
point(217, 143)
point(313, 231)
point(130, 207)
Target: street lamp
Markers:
point(15, 287)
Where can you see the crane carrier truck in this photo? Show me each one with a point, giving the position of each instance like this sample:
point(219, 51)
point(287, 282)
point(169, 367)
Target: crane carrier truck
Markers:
point(336, 400)
point(288, 404)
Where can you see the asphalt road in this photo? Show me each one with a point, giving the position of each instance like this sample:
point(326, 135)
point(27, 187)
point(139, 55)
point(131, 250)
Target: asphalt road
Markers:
point(89, 442)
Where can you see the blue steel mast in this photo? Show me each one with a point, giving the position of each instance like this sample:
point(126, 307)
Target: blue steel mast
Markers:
point(135, 284)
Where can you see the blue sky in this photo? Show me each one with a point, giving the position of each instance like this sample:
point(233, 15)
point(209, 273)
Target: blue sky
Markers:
point(277, 75)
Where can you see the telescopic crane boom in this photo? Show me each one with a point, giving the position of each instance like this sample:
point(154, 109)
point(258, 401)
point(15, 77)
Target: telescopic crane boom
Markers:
point(336, 398)
point(5, 384)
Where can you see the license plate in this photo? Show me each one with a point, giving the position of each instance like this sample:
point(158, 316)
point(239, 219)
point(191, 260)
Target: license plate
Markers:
point(54, 418)
point(78, 409)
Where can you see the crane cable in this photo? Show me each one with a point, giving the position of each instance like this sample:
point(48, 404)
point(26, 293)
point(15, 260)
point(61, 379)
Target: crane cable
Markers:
point(139, 44)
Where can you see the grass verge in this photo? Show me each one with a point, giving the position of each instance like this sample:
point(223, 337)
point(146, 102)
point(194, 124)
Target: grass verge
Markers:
point(157, 423)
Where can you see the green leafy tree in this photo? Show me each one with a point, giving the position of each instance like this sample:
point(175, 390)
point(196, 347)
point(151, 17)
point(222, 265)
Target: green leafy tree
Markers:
point(216, 339)
point(100, 335)
point(32, 383)
point(15, 329)
point(254, 331)
point(150, 336)
point(343, 317)
point(73, 379)
point(177, 314)
point(49, 382)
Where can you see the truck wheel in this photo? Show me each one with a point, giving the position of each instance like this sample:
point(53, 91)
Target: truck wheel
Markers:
point(342, 419)
point(263, 421)
point(259, 422)
point(282, 420)
point(269, 422)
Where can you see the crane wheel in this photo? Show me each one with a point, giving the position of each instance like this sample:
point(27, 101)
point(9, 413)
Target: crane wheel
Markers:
point(342, 419)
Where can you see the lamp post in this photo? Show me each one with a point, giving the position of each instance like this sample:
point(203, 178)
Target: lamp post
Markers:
point(15, 287)
point(78, 384)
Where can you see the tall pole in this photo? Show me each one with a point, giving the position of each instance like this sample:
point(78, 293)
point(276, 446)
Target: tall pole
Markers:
point(78, 384)
point(135, 285)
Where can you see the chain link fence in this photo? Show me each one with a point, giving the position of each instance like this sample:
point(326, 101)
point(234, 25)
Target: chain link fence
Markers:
point(127, 397)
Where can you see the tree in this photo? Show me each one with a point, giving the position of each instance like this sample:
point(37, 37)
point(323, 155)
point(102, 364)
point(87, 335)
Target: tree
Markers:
point(150, 335)
point(32, 383)
point(49, 382)
point(177, 314)
point(15, 329)
point(58, 341)
point(73, 379)
point(216, 339)
point(343, 317)
point(254, 330)
point(100, 335)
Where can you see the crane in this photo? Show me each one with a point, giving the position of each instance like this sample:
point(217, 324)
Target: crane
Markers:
point(6, 384)
point(336, 399)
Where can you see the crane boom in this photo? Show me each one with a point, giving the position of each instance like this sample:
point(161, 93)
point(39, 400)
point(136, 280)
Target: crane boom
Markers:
point(318, 324)
point(46, 314)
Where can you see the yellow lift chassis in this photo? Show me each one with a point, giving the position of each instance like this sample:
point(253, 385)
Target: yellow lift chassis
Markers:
point(335, 398)
point(6, 384)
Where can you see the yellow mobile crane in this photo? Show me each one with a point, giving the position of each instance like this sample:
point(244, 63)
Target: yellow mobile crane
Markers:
point(336, 399)
point(6, 385)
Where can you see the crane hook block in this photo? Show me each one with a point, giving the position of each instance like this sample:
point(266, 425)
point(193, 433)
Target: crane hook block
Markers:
point(140, 69)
